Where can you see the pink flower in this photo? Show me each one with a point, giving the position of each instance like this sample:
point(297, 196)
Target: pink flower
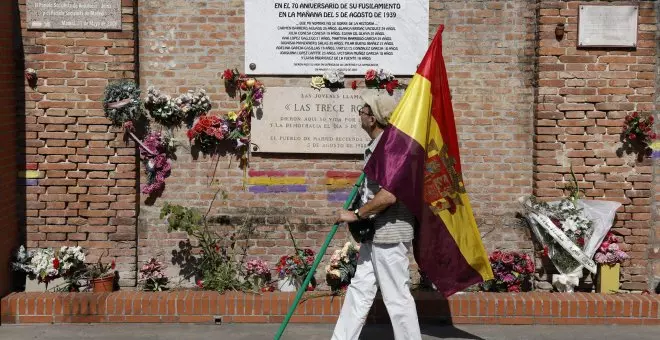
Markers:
point(507, 258)
point(113, 265)
point(496, 255)
point(604, 246)
point(514, 288)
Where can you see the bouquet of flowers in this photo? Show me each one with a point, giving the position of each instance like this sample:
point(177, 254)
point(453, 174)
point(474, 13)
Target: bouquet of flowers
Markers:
point(512, 271)
point(156, 162)
point(45, 265)
point(342, 267)
point(577, 228)
point(194, 103)
point(638, 132)
point(609, 251)
point(330, 79)
point(251, 94)
point(257, 272)
point(380, 79)
point(207, 132)
point(295, 266)
point(163, 108)
point(152, 277)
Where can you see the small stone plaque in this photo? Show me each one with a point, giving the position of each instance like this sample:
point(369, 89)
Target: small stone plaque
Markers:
point(74, 15)
point(306, 120)
point(607, 26)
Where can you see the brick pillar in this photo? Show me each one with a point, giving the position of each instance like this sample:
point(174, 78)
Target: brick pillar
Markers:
point(583, 98)
point(82, 190)
point(9, 225)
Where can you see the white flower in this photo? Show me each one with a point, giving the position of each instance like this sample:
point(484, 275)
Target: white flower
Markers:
point(570, 224)
point(385, 75)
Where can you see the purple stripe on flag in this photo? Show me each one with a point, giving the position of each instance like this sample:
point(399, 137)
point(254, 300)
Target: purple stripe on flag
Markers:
point(397, 165)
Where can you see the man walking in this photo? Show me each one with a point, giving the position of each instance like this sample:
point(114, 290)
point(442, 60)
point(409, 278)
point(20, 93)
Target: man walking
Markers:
point(383, 261)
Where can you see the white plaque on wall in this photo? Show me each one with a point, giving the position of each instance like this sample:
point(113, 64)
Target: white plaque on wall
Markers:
point(305, 120)
point(292, 37)
point(74, 14)
point(607, 26)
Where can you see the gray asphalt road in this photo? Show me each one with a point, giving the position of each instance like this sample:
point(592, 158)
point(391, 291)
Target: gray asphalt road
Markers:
point(315, 332)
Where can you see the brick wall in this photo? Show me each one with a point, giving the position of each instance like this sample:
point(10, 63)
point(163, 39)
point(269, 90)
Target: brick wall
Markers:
point(81, 186)
point(8, 170)
point(583, 97)
point(654, 252)
point(87, 196)
point(489, 49)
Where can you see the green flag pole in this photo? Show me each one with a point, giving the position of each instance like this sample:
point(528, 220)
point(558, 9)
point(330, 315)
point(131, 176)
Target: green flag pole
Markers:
point(319, 256)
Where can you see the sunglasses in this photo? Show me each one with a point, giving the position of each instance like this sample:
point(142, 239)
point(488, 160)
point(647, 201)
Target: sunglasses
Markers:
point(364, 110)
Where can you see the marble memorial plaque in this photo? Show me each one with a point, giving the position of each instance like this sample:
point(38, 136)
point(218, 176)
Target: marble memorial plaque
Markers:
point(607, 26)
point(306, 120)
point(352, 36)
point(74, 15)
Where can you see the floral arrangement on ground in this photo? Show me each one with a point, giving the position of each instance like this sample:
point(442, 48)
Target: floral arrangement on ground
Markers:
point(512, 270)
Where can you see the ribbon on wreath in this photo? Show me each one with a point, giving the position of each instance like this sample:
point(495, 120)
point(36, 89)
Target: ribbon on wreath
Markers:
point(564, 241)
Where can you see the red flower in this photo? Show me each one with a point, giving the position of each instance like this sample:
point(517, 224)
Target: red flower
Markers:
point(200, 283)
point(545, 251)
point(650, 119)
point(228, 74)
point(354, 84)
point(310, 288)
point(56, 263)
point(580, 241)
point(113, 265)
point(507, 258)
point(370, 75)
point(496, 255)
point(634, 115)
point(191, 134)
point(514, 289)
point(653, 136)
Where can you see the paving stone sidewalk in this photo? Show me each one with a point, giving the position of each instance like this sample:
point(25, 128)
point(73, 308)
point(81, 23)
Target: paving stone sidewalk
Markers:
point(316, 332)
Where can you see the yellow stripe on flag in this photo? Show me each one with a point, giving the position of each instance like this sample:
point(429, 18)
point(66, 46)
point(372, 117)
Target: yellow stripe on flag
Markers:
point(416, 102)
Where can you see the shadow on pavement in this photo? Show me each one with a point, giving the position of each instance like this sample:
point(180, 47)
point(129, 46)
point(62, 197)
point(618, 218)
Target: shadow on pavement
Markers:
point(384, 332)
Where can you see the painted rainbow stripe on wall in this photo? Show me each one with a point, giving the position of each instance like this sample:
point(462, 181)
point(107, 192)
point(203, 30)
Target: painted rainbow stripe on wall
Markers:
point(276, 181)
point(655, 146)
point(337, 184)
point(30, 176)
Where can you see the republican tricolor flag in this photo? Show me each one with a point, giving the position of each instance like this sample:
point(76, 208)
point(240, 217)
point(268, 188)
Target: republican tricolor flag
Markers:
point(417, 160)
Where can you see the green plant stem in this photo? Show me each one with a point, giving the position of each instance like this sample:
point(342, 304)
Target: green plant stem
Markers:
point(319, 256)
